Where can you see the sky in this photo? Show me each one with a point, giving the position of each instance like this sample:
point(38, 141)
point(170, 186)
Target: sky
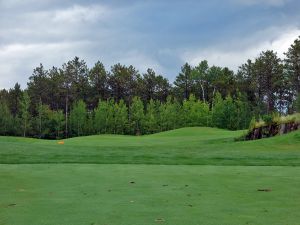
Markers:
point(157, 34)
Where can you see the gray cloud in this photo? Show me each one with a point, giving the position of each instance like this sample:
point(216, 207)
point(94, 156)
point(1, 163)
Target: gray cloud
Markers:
point(145, 34)
point(262, 2)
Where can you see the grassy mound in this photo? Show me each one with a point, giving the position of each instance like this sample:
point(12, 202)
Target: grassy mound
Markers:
point(190, 146)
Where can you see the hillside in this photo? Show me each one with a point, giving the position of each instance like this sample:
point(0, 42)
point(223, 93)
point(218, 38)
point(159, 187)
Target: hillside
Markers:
point(190, 146)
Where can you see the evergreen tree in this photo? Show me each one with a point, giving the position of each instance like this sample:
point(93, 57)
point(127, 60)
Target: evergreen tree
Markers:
point(184, 81)
point(25, 114)
point(297, 103)
point(43, 119)
point(14, 101)
point(98, 78)
point(292, 63)
point(5, 119)
point(151, 121)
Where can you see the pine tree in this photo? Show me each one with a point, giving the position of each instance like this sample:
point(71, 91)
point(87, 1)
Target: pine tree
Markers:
point(184, 81)
point(5, 119)
point(151, 123)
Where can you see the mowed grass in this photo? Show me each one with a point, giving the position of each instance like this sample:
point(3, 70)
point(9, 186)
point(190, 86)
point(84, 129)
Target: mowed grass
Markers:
point(77, 194)
point(189, 176)
point(187, 146)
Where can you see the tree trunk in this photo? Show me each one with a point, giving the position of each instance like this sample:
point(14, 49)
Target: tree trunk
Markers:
point(203, 95)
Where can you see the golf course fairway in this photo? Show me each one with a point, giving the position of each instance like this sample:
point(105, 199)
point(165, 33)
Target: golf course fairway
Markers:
point(189, 176)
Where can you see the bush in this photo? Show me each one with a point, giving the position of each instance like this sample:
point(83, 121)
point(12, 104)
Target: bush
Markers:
point(268, 119)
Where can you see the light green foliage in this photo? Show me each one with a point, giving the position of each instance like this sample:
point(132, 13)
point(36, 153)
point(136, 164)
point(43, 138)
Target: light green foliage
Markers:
point(229, 113)
point(89, 124)
point(78, 118)
point(218, 111)
point(277, 119)
point(168, 115)
point(196, 113)
point(101, 115)
point(136, 115)
point(43, 119)
point(110, 117)
point(57, 123)
point(151, 117)
point(121, 117)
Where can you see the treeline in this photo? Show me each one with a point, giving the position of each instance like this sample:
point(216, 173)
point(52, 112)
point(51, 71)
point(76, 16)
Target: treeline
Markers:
point(76, 100)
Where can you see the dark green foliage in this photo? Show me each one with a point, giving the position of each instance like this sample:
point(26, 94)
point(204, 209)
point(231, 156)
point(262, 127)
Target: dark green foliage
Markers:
point(25, 114)
point(297, 103)
point(267, 119)
point(6, 120)
point(292, 67)
point(184, 82)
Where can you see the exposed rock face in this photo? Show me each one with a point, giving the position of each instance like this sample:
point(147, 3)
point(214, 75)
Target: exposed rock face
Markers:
point(272, 130)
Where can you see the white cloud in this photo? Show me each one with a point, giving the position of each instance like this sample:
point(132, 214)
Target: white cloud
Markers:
point(234, 54)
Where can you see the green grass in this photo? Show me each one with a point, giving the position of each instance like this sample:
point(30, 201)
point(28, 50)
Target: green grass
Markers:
point(187, 146)
point(190, 176)
point(103, 194)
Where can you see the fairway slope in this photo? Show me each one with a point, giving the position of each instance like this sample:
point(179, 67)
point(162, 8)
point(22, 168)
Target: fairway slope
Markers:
point(195, 145)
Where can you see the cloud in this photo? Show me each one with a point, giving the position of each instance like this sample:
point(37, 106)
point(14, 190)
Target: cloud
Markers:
point(236, 52)
point(140, 33)
point(23, 58)
point(262, 2)
point(78, 13)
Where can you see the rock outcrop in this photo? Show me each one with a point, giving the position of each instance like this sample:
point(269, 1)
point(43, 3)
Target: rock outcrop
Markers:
point(272, 130)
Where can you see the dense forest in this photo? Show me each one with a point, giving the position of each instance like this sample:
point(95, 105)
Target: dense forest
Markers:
point(75, 100)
